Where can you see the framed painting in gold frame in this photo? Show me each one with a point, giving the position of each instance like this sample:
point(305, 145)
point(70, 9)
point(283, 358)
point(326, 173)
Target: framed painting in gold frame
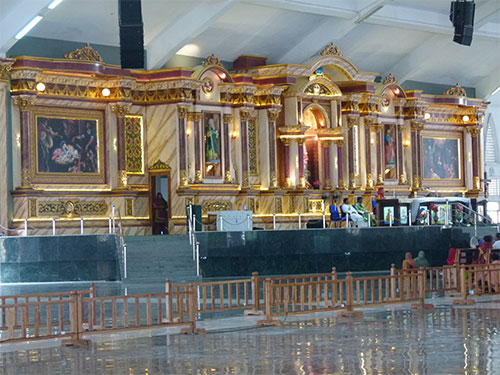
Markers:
point(67, 146)
point(442, 158)
point(212, 150)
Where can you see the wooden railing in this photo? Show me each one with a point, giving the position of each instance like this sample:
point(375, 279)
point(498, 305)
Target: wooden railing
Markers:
point(479, 280)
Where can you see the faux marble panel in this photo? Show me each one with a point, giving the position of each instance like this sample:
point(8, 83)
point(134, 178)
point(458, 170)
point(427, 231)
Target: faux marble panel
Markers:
point(4, 157)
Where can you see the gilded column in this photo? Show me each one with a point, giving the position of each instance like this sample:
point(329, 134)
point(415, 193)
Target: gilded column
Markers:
point(300, 155)
point(196, 117)
point(181, 115)
point(368, 153)
point(340, 163)
point(272, 116)
point(326, 164)
point(286, 144)
point(351, 122)
point(244, 114)
point(379, 135)
point(227, 118)
point(25, 104)
point(416, 128)
point(400, 152)
point(475, 131)
point(121, 110)
point(5, 66)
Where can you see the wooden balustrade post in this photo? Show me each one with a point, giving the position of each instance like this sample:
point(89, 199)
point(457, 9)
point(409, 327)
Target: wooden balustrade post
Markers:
point(268, 300)
point(422, 282)
point(76, 321)
point(350, 312)
point(192, 310)
point(93, 306)
point(11, 321)
point(168, 302)
point(463, 289)
point(392, 296)
point(255, 297)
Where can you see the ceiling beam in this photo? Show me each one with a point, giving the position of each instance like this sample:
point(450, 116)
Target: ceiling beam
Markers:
point(13, 21)
point(488, 84)
point(173, 37)
point(318, 7)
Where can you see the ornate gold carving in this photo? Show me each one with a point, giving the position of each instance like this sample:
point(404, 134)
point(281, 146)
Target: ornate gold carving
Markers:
point(216, 205)
point(474, 131)
point(318, 89)
point(278, 205)
point(208, 86)
point(168, 95)
point(253, 154)
point(188, 200)
point(292, 204)
point(389, 79)
point(416, 182)
point(272, 114)
point(351, 121)
point(227, 177)
point(5, 68)
point(339, 142)
point(212, 60)
point(274, 180)
point(380, 179)
point(32, 207)
point(476, 183)
point(341, 185)
point(227, 118)
point(26, 178)
point(251, 206)
point(327, 184)
point(122, 178)
point(184, 177)
point(159, 166)
point(182, 111)
point(369, 181)
point(352, 181)
point(244, 115)
point(72, 208)
point(120, 109)
point(416, 125)
point(134, 145)
point(300, 141)
point(305, 208)
point(286, 141)
point(129, 207)
point(86, 53)
point(25, 103)
point(331, 50)
point(197, 177)
point(194, 116)
point(456, 90)
point(402, 179)
point(315, 205)
point(244, 181)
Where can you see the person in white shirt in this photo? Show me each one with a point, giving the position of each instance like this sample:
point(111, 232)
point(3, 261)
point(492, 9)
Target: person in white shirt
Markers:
point(354, 216)
point(496, 244)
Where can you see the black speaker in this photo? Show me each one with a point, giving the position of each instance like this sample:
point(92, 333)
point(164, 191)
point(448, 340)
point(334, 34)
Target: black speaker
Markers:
point(131, 34)
point(462, 17)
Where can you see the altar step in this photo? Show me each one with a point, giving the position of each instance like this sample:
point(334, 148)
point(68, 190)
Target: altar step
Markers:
point(152, 259)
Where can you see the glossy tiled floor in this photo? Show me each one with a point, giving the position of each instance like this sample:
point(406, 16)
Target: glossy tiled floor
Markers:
point(463, 340)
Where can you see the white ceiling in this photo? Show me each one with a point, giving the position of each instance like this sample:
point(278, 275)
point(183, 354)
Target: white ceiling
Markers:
point(410, 38)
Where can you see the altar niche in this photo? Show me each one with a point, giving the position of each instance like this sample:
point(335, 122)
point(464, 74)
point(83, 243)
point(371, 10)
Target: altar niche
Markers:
point(212, 145)
point(390, 152)
point(314, 119)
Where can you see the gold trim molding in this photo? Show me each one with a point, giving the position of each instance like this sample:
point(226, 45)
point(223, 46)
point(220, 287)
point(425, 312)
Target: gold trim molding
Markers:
point(86, 53)
point(70, 208)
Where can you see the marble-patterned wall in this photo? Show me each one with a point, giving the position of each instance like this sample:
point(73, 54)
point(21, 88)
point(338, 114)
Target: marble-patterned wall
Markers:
point(4, 157)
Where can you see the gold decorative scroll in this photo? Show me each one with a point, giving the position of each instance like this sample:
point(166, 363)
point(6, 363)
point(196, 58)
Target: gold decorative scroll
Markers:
point(315, 205)
point(212, 60)
point(390, 79)
point(159, 166)
point(331, 50)
point(253, 155)
point(129, 207)
point(71, 208)
point(216, 205)
point(86, 53)
point(278, 205)
point(456, 90)
point(134, 145)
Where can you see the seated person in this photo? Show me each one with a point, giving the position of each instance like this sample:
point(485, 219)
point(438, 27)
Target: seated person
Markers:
point(360, 207)
point(421, 260)
point(356, 218)
point(484, 250)
point(496, 244)
point(409, 263)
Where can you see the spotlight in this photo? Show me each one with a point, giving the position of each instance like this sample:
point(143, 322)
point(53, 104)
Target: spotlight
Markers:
point(427, 116)
point(222, 75)
point(396, 91)
point(465, 118)
point(105, 92)
point(40, 86)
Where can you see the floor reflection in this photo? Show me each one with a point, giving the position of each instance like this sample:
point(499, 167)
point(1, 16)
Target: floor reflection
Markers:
point(447, 341)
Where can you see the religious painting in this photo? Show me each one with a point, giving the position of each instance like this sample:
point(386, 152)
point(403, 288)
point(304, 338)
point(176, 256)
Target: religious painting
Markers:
point(441, 158)
point(390, 158)
point(403, 215)
point(67, 146)
point(212, 144)
point(389, 215)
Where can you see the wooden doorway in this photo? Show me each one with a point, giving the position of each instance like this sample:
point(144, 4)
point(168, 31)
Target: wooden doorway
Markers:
point(159, 197)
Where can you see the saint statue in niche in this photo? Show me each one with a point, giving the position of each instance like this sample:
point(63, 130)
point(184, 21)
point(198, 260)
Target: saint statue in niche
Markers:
point(211, 142)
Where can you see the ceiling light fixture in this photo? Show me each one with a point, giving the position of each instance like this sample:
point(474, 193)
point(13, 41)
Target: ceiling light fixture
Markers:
point(55, 3)
point(25, 30)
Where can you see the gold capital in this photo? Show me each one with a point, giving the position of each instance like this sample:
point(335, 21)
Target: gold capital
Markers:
point(25, 103)
point(194, 116)
point(474, 131)
point(244, 115)
point(227, 118)
point(5, 67)
point(351, 121)
point(121, 110)
point(227, 177)
point(181, 111)
point(272, 114)
point(184, 177)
